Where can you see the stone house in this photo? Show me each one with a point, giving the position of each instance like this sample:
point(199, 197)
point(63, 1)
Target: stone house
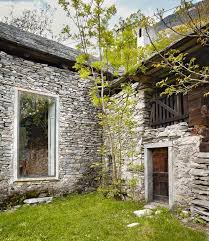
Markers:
point(172, 135)
point(49, 132)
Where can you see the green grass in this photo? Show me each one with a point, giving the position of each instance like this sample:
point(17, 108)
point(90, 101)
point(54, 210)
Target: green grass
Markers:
point(91, 218)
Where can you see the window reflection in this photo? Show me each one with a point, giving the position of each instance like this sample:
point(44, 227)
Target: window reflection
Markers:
point(37, 114)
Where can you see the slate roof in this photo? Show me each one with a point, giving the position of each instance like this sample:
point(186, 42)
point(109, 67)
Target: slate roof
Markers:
point(14, 38)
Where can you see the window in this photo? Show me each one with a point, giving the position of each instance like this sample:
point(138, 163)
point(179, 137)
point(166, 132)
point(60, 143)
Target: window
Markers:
point(140, 33)
point(168, 110)
point(36, 135)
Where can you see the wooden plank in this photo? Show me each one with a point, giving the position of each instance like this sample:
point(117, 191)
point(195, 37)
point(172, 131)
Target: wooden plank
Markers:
point(151, 114)
point(168, 108)
point(185, 104)
point(169, 104)
point(182, 117)
point(163, 110)
point(154, 116)
point(195, 103)
point(157, 107)
point(160, 172)
point(179, 103)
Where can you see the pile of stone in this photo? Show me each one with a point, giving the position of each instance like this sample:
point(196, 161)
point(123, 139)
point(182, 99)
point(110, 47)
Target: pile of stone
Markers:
point(200, 173)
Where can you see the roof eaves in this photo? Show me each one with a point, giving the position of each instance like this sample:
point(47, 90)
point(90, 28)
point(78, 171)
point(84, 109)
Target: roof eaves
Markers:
point(19, 38)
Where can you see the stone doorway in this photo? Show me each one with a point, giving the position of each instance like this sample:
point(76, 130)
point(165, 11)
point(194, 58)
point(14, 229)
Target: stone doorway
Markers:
point(159, 176)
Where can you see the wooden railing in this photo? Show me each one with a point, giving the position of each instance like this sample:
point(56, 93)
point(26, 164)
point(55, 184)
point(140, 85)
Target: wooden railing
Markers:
point(168, 110)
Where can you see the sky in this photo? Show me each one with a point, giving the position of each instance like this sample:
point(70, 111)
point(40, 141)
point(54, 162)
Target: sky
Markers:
point(147, 6)
point(124, 7)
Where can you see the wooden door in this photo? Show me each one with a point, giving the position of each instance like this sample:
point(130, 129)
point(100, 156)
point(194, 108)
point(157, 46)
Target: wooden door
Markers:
point(160, 174)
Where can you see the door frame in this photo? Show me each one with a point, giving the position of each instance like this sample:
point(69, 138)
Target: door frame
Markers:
point(148, 167)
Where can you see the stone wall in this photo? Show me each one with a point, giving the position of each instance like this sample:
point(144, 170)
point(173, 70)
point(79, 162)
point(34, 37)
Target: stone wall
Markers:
point(200, 187)
point(79, 132)
point(185, 145)
point(132, 169)
point(141, 117)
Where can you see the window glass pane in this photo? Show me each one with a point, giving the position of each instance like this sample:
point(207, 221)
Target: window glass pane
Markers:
point(140, 33)
point(37, 118)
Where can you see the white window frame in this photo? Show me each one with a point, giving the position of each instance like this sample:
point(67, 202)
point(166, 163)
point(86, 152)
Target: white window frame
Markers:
point(16, 137)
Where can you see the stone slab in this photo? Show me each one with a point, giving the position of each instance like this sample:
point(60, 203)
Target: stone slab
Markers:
point(132, 225)
point(143, 212)
point(38, 200)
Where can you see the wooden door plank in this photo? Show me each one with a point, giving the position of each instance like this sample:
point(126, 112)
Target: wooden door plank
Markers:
point(160, 173)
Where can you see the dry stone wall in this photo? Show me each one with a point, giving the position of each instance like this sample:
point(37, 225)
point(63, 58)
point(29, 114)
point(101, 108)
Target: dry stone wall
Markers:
point(200, 187)
point(132, 170)
point(185, 147)
point(79, 132)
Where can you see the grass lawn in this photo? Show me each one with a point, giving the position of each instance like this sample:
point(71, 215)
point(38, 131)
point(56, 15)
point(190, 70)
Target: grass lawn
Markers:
point(91, 218)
